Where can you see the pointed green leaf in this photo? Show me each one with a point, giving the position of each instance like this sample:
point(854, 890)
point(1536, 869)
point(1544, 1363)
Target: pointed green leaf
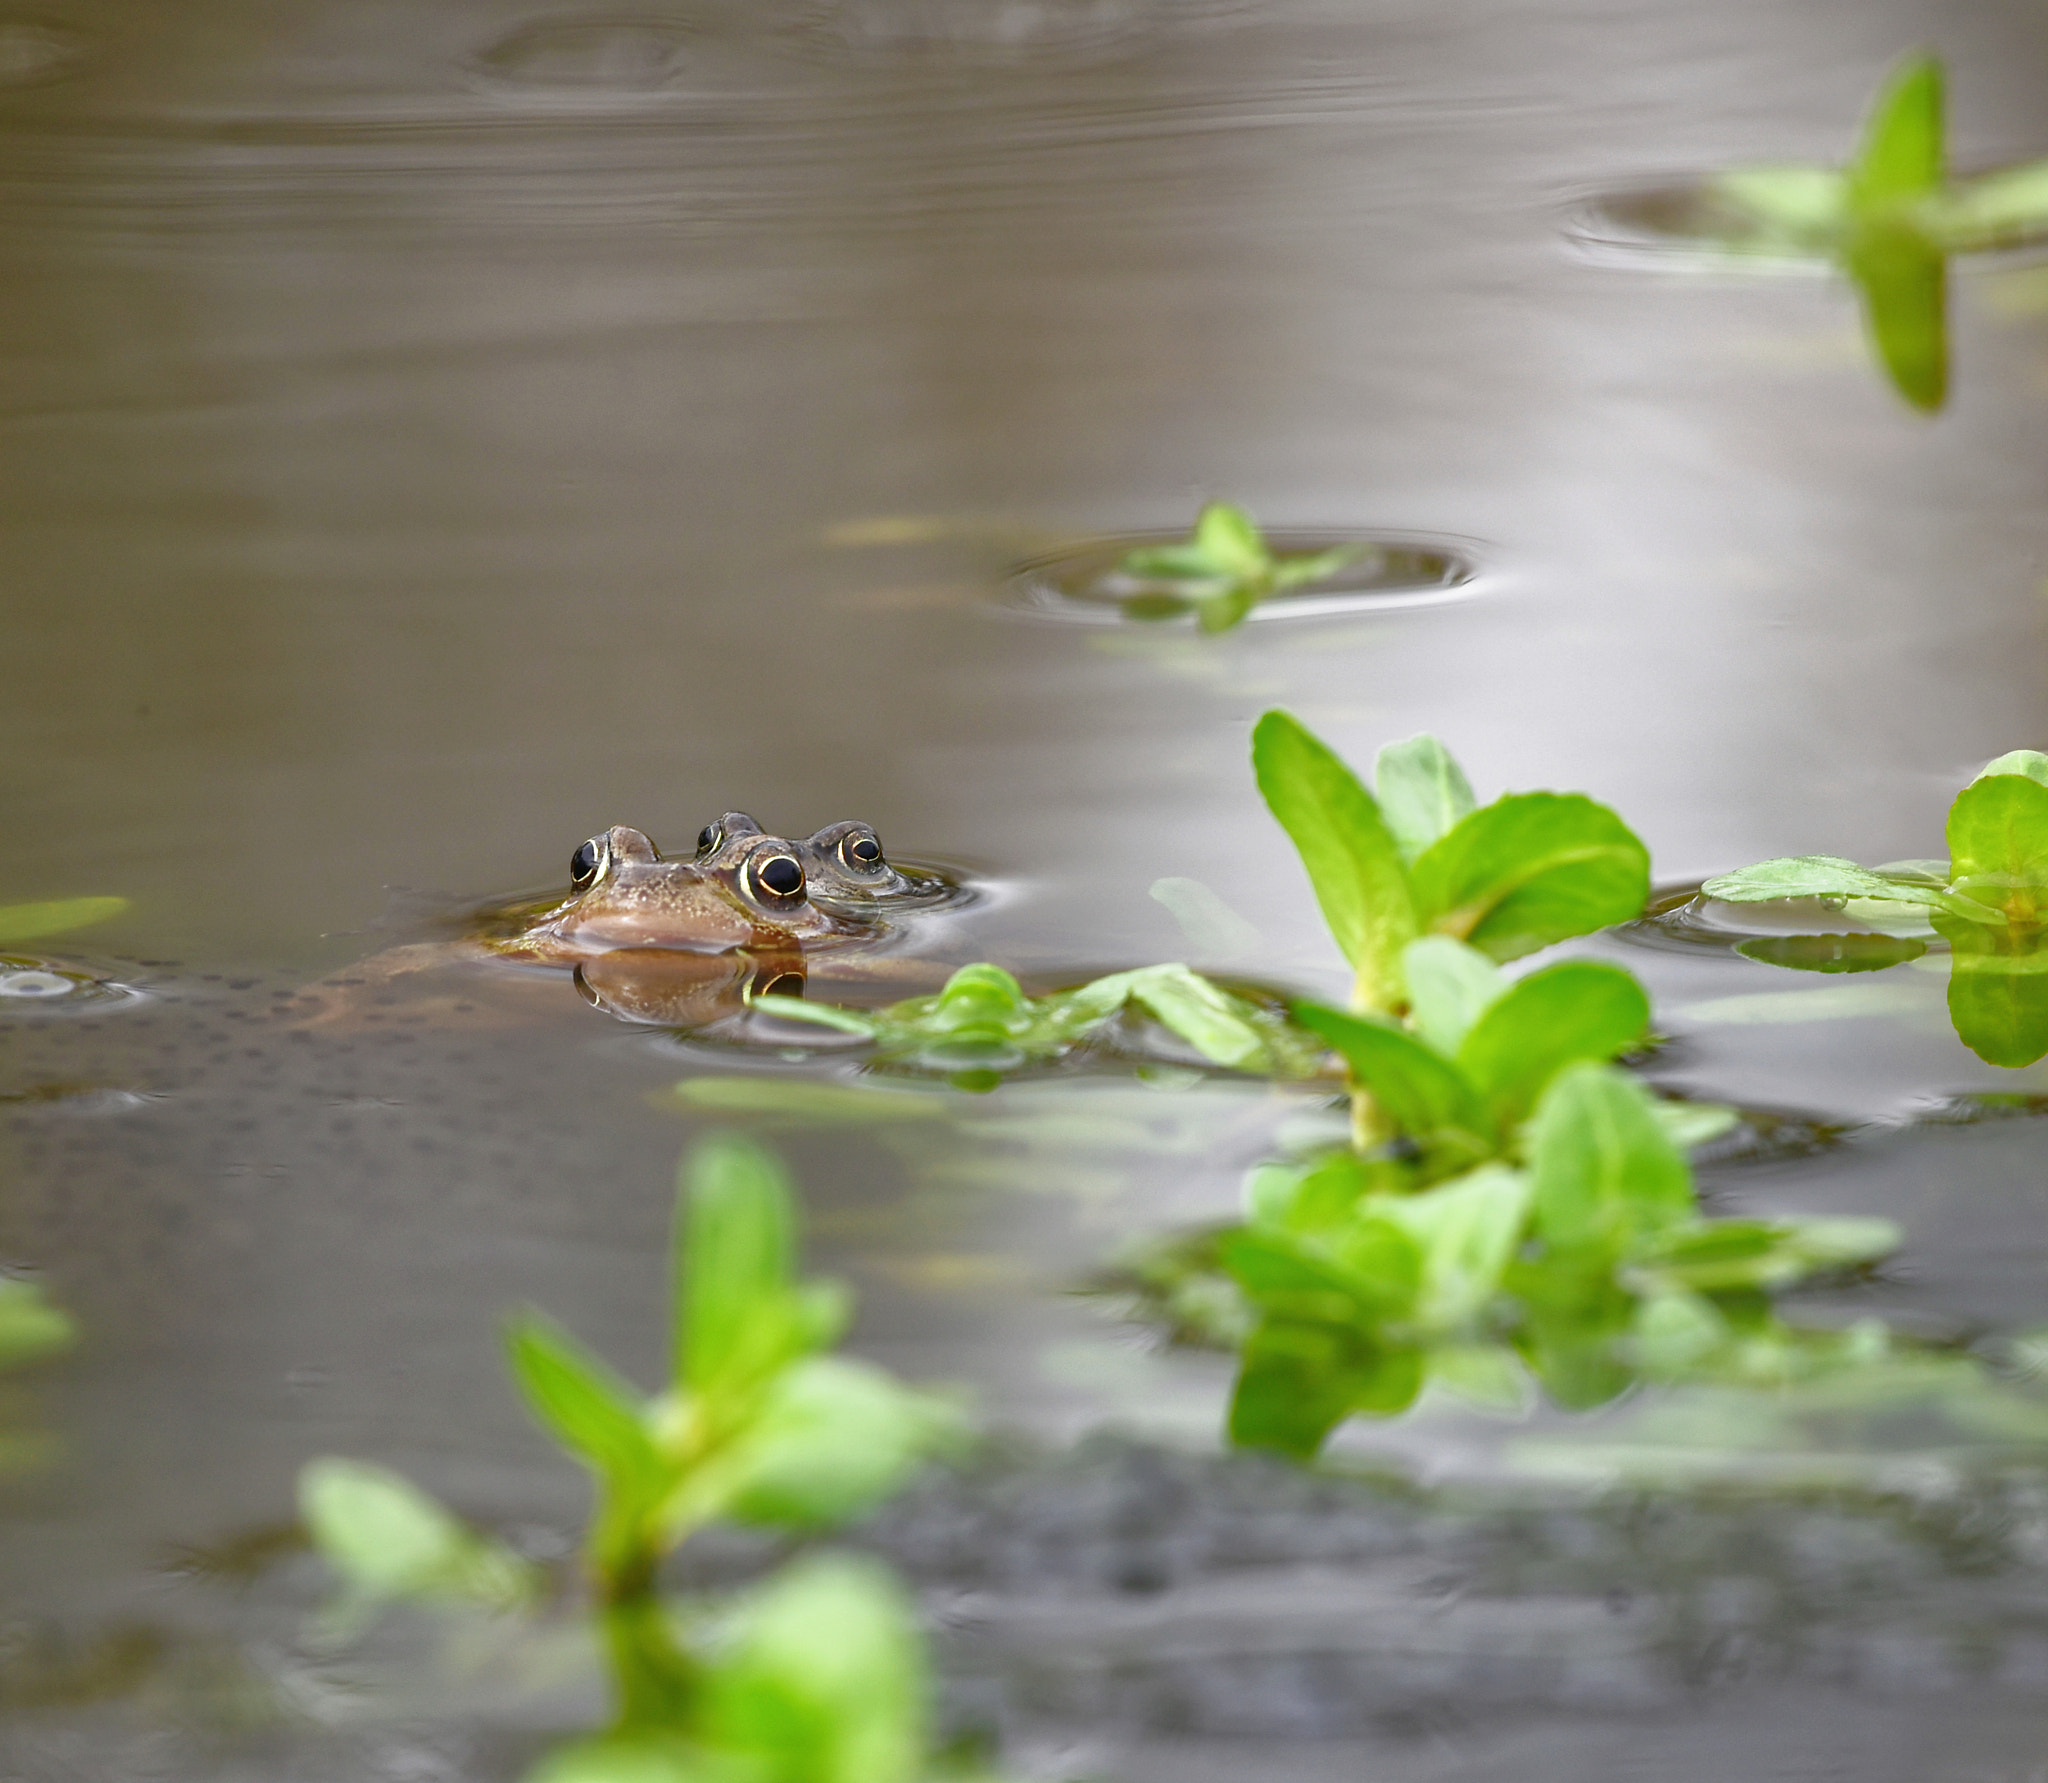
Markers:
point(733, 1269)
point(1815, 876)
point(1212, 1021)
point(1604, 1170)
point(1345, 845)
point(1296, 569)
point(1577, 1010)
point(1530, 869)
point(1902, 154)
point(1227, 537)
point(823, 1015)
point(1170, 563)
point(1450, 985)
point(1998, 845)
point(1902, 278)
point(1726, 1256)
point(1422, 793)
point(1805, 206)
point(583, 1405)
point(1227, 609)
point(28, 922)
point(1294, 1277)
point(1425, 1095)
point(1995, 210)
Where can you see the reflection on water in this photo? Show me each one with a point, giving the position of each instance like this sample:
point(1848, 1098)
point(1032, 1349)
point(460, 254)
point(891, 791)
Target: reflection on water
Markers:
point(423, 431)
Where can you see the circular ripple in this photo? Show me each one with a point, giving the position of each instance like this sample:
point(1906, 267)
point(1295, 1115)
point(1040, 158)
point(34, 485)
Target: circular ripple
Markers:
point(31, 53)
point(979, 30)
point(30, 984)
point(1084, 585)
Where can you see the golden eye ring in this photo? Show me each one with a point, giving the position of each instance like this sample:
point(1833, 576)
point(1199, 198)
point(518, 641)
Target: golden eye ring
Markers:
point(861, 852)
point(776, 880)
point(588, 862)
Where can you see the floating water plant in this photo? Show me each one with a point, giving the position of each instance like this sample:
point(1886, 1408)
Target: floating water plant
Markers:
point(1889, 219)
point(58, 916)
point(815, 1677)
point(981, 1025)
point(1988, 902)
point(1222, 570)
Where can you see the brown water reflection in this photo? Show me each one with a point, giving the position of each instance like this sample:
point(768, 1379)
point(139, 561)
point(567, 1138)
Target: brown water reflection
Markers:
point(430, 433)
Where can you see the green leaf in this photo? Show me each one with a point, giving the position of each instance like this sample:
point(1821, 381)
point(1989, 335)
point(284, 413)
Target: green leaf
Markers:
point(1227, 537)
point(641, 1754)
point(1422, 793)
point(823, 1015)
point(1450, 985)
point(1530, 869)
point(1345, 845)
point(1296, 569)
point(1990, 211)
point(1689, 1125)
point(28, 922)
point(733, 1267)
point(1815, 876)
point(1604, 1171)
point(588, 1409)
point(1170, 563)
point(1427, 1096)
point(1315, 1195)
point(1902, 278)
point(1902, 155)
point(2030, 763)
point(1998, 845)
point(1832, 953)
point(1573, 1011)
point(1466, 1230)
point(1207, 923)
point(1227, 609)
point(805, 1100)
point(1727, 1256)
point(1212, 1021)
point(1998, 990)
point(822, 1679)
point(1805, 205)
point(387, 1538)
point(833, 1438)
point(30, 1327)
point(1295, 1278)
point(1297, 1382)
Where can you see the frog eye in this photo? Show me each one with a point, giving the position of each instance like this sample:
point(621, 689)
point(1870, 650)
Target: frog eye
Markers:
point(587, 862)
point(708, 839)
point(860, 851)
point(775, 879)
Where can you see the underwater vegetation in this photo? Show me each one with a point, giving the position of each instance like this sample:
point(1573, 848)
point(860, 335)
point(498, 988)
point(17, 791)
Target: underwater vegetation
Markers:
point(816, 1675)
point(1889, 219)
point(1512, 1207)
point(1987, 902)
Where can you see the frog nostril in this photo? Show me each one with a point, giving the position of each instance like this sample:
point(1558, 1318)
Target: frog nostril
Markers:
point(781, 874)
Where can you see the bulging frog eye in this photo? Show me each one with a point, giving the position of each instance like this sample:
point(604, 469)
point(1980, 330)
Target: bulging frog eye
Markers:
point(586, 863)
point(708, 839)
point(776, 880)
point(861, 851)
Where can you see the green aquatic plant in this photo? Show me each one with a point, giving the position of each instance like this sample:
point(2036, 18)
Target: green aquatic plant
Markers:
point(1584, 1267)
point(1890, 218)
point(1221, 571)
point(31, 1329)
point(1419, 857)
point(761, 1424)
point(981, 1026)
point(57, 916)
point(1988, 902)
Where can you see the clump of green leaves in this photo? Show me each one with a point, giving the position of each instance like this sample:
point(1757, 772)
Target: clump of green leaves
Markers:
point(1584, 1266)
point(759, 1423)
point(981, 1026)
point(1419, 856)
point(1890, 218)
point(1221, 571)
point(1988, 901)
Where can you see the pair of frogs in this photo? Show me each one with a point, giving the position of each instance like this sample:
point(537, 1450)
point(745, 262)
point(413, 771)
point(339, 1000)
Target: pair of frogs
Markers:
point(684, 942)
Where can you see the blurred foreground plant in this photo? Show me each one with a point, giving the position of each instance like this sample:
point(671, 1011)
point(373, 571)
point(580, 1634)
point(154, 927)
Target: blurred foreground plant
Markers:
point(1222, 570)
point(816, 1676)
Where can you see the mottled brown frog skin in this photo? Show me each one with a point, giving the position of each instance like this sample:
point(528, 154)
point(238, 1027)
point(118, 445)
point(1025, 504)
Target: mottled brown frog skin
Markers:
point(752, 891)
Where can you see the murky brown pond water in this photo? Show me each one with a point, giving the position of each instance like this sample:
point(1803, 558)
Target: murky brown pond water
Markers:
point(430, 433)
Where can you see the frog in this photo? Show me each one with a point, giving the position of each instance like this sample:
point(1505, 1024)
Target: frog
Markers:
point(687, 941)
